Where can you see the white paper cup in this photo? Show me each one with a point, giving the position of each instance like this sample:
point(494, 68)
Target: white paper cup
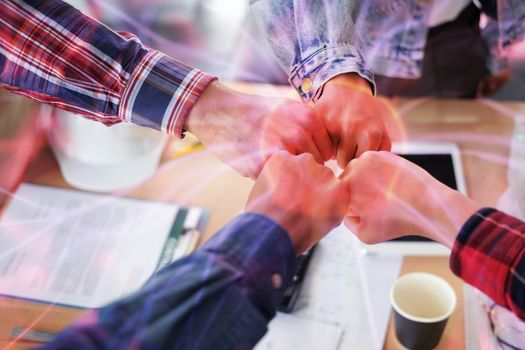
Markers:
point(422, 304)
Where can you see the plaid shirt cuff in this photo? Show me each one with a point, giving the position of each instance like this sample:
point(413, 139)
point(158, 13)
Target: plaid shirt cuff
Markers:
point(311, 74)
point(161, 92)
point(489, 253)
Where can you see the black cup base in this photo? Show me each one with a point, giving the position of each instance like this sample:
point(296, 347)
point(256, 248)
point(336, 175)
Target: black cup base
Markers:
point(418, 335)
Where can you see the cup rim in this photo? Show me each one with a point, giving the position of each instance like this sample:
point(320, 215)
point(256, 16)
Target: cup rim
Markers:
point(441, 280)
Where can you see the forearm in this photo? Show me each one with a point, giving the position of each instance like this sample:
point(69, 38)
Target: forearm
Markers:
point(488, 246)
point(221, 297)
point(446, 211)
point(52, 52)
point(216, 108)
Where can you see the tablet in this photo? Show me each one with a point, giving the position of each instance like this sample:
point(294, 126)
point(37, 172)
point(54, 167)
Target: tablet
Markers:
point(443, 161)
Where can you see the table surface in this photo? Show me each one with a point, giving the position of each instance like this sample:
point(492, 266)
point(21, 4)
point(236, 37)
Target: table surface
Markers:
point(481, 128)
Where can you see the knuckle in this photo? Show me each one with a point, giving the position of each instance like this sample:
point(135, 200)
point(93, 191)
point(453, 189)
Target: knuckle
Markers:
point(366, 239)
point(296, 134)
point(375, 134)
point(281, 154)
point(368, 155)
point(279, 157)
point(327, 175)
point(306, 157)
point(309, 113)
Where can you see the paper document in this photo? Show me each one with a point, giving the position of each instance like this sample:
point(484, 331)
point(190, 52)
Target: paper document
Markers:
point(289, 332)
point(478, 332)
point(350, 290)
point(82, 249)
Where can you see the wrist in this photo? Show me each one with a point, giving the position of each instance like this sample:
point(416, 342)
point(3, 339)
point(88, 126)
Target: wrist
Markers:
point(293, 224)
point(351, 81)
point(447, 217)
point(214, 99)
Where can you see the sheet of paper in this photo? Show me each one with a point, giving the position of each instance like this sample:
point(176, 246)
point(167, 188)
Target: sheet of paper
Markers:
point(345, 288)
point(289, 332)
point(77, 248)
point(478, 333)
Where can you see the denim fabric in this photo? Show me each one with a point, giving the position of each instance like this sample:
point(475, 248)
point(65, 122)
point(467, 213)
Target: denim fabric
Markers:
point(454, 62)
point(317, 40)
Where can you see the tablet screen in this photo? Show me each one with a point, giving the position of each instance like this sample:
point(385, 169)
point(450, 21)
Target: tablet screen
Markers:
point(441, 167)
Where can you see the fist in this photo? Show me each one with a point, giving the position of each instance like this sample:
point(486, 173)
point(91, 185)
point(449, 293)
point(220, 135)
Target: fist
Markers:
point(390, 197)
point(301, 195)
point(353, 118)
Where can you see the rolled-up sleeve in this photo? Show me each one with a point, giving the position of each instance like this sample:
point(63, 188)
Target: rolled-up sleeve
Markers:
point(55, 54)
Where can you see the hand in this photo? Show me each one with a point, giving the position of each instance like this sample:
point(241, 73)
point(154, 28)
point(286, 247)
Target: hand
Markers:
point(353, 117)
point(493, 83)
point(301, 195)
point(392, 197)
point(244, 130)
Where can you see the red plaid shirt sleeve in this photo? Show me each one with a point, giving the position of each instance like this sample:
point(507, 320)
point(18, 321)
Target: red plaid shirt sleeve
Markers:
point(53, 53)
point(489, 253)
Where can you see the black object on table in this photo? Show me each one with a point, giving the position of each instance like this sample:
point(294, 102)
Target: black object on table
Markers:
point(291, 294)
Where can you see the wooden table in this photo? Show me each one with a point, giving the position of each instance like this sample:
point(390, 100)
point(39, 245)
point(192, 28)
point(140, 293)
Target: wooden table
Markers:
point(482, 130)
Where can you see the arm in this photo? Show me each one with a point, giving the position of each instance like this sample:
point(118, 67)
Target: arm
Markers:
point(489, 253)
point(313, 40)
point(220, 297)
point(224, 295)
point(52, 52)
point(403, 199)
point(317, 44)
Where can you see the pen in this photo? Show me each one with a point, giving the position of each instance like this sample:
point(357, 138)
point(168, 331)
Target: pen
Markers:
point(195, 239)
point(187, 244)
point(180, 250)
point(291, 294)
point(180, 149)
point(187, 150)
point(31, 334)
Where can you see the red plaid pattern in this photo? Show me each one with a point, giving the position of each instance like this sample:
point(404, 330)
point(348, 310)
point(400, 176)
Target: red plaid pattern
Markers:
point(489, 254)
point(51, 52)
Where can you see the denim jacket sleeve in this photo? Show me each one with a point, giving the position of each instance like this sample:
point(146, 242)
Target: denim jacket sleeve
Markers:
point(497, 59)
point(313, 40)
point(505, 26)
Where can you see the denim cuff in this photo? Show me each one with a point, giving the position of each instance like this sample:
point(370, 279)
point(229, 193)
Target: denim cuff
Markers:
point(309, 76)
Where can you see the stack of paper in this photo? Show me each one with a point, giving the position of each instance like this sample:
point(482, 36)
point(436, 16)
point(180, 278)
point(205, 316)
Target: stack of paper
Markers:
point(289, 332)
point(85, 250)
point(344, 303)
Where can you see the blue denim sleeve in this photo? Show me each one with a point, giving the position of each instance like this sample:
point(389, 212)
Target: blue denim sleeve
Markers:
point(497, 59)
point(505, 27)
point(220, 297)
point(313, 40)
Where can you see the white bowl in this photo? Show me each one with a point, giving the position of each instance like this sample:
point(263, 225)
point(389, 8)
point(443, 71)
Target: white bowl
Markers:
point(95, 157)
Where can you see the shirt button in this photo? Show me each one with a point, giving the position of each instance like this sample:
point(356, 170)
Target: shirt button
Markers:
point(306, 85)
point(277, 281)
